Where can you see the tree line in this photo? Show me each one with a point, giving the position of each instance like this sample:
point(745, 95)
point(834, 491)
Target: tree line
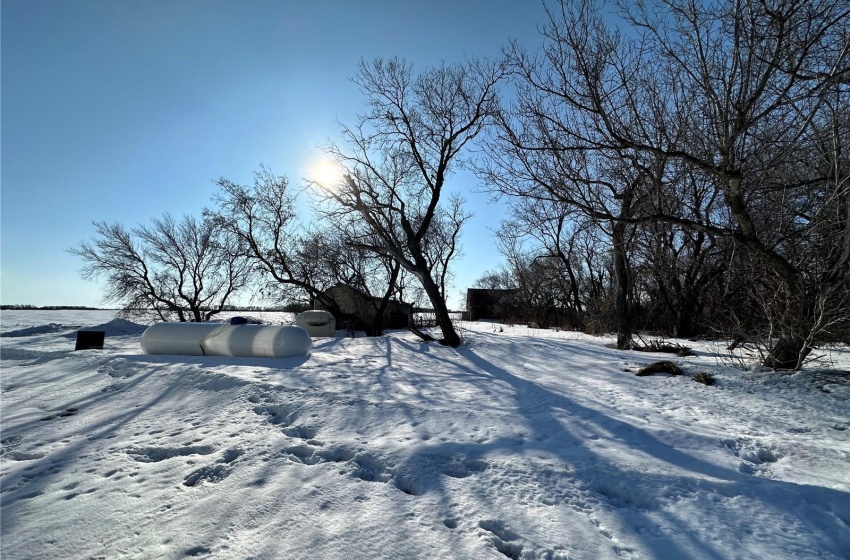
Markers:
point(29, 307)
point(685, 170)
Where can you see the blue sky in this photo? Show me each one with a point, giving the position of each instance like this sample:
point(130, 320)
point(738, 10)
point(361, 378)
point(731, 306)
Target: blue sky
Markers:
point(121, 111)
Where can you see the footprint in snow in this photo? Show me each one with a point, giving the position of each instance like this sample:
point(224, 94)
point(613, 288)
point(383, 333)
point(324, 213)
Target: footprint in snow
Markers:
point(751, 453)
point(463, 467)
point(214, 473)
point(363, 466)
point(23, 456)
point(501, 538)
point(277, 414)
point(312, 455)
point(300, 432)
point(9, 442)
point(210, 473)
point(799, 430)
point(370, 468)
point(62, 414)
point(157, 454)
point(512, 545)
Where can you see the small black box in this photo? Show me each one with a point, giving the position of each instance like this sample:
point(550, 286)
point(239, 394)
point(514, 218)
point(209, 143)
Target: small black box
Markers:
point(90, 339)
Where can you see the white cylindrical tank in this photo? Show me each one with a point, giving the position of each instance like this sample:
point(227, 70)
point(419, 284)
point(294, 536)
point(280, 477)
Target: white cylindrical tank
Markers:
point(264, 341)
point(177, 338)
point(222, 339)
point(317, 322)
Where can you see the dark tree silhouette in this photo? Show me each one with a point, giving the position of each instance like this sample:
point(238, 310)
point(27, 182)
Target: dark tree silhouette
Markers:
point(188, 268)
point(397, 160)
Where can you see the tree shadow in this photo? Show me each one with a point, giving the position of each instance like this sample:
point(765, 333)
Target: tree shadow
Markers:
point(632, 494)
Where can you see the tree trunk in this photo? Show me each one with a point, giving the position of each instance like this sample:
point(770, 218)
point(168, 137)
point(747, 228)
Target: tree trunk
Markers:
point(795, 334)
point(788, 352)
point(686, 315)
point(578, 320)
point(621, 286)
point(441, 312)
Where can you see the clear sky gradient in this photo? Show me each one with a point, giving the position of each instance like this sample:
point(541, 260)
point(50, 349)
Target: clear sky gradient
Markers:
point(121, 111)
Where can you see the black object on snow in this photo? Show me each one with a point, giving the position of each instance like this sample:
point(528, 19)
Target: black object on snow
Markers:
point(246, 321)
point(90, 339)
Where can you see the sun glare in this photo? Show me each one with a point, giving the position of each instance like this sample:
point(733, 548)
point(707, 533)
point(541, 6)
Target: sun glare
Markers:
point(326, 173)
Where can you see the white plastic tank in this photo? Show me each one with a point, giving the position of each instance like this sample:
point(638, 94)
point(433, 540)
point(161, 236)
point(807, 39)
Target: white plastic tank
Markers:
point(317, 322)
point(223, 339)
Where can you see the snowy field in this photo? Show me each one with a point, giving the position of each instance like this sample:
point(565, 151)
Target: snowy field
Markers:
point(520, 444)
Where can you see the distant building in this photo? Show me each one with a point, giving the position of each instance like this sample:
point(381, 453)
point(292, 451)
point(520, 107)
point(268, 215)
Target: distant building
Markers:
point(495, 304)
point(360, 308)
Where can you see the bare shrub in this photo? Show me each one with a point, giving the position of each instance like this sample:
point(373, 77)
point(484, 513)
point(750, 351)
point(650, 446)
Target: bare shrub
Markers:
point(660, 345)
point(704, 378)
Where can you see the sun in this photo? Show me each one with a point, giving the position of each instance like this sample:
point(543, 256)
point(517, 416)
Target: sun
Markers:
point(327, 173)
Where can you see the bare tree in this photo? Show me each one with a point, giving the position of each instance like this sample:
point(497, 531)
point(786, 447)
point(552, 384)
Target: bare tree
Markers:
point(732, 90)
point(532, 157)
point(397, 160)
point(263, 220)
point(499, 279)
point(674, 267)
point(540, 245)
point(189, 268)
point(294, 258)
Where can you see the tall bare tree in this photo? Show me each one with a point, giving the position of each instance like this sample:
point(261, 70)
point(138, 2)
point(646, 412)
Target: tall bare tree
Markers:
point(188, 268)
point(398, 157)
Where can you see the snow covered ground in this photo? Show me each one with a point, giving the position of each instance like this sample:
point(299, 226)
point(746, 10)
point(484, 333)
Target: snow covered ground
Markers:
point(520, 444)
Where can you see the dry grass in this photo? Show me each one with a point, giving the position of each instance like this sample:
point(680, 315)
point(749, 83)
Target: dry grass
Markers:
point(659, 367)
point(704, 378)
